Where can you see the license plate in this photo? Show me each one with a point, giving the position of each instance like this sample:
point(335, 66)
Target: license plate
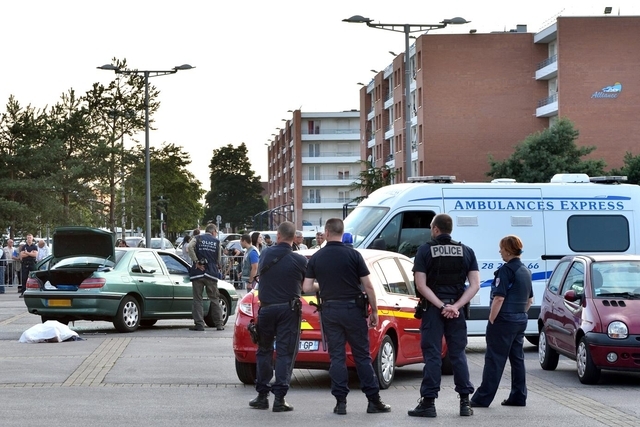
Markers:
point(59, 303)
point(308, 345)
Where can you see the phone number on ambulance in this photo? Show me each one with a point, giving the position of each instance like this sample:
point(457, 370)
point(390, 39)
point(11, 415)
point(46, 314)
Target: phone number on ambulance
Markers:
point(491, 265)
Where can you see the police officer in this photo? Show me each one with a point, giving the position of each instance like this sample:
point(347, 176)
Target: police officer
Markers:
point(281, 274)
point(342, 274)
point(204, 250)
point(440, 269)
point(511, 297)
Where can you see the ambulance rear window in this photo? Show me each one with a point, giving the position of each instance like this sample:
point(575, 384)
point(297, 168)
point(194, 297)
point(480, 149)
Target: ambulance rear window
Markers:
point(598, 233)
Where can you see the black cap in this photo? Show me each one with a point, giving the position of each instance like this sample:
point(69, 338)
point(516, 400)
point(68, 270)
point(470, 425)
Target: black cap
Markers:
point(266, 236)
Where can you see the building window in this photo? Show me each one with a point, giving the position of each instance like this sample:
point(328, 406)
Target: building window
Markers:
point(343, 173)
point(314, 127)
point(314, 195)
point(314, 150)
point(343, 197)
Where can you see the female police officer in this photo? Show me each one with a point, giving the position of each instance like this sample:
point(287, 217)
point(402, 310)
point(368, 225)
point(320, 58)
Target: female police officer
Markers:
point(511, 297)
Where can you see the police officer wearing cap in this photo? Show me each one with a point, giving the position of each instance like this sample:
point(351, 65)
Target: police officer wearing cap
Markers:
point(204, 250)
point(342, 277)
point(511, 297)
point(440, 269)
point(281, 274)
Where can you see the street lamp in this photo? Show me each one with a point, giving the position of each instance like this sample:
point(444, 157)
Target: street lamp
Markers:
point(147, 159)
point(407, 29)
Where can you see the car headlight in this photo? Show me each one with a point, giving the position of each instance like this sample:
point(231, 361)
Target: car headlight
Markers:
point(617, 330)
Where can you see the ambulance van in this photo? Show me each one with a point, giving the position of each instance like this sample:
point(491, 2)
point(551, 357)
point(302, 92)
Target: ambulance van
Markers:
point(571, 214)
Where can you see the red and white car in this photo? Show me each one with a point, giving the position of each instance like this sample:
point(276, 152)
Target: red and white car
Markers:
point(394, 342)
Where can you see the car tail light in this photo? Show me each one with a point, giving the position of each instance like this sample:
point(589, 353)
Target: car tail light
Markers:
point(246, 307)
point(33, 283)
point(93, 282)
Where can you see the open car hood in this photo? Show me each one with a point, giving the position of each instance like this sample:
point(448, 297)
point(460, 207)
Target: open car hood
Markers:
point(87, 241)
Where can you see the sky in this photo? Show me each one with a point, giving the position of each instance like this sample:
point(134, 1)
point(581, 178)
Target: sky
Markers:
point(254, 60)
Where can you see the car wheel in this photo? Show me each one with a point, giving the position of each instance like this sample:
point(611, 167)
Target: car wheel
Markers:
point(548, 356)
point(225, 303)
point(447, 367)
point(147, 323)
point(385, 363)
point(128, 316)
point(246, 372)
point(588, 373)
point(533, 339)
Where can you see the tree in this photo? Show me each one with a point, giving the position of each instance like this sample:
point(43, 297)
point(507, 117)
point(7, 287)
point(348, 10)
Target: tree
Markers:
point(370, 179)
point(631, 169)
point(117, 110)
point(546, 153)
point(170, 180)
point(235, 192)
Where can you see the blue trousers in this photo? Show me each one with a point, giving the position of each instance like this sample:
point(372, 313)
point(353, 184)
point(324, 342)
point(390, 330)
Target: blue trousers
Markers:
point(432, 328)
point(505, 338)
point(343, 323)
point(280, 324)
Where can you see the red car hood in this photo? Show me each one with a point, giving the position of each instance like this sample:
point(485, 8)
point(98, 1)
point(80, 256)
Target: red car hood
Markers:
point(620, 309)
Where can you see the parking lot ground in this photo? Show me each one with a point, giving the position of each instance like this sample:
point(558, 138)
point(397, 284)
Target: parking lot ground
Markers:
point(168, 376)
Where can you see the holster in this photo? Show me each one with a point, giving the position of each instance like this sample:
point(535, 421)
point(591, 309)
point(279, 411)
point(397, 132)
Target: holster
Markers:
point(252, 327)
point(362, 302)
point(296, 305)
point(421, 307)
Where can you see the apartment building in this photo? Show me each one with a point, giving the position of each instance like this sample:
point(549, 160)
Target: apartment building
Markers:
point(313, 161)
point(475, 95)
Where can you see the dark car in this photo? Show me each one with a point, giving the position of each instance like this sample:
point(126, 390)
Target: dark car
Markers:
point(87, 278)
point(590, 313)
point(394, 342)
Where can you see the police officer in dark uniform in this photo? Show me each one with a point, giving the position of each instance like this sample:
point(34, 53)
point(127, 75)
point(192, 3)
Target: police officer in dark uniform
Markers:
point(511, 297)
point(440, 269)
point(204, 250)
point(342, 277)
point(281, 274)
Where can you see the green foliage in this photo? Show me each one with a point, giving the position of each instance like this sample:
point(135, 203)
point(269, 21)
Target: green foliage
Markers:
point(631, 169)
point(546, 153)
point(235, 192)
point(171, 180)
point(370, 179)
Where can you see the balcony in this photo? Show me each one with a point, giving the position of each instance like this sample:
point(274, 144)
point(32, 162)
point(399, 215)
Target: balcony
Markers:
point(547, 69)
point(548, 107)
point(331, 134)
point(332, 157)
point(324, 202)
point(333, 180)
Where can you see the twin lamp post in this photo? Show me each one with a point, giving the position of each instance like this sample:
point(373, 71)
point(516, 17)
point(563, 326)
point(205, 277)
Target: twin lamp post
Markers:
point(147, 160)
point(407, 29)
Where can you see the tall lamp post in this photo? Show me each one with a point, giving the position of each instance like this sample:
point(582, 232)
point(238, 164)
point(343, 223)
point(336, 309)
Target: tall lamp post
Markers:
point(147, 159)
point(406, 29)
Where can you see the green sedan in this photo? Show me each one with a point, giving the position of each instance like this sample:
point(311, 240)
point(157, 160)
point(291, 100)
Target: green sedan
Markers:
point(88, 278)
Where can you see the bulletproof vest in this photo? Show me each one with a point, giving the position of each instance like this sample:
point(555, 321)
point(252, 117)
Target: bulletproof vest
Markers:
point(447, 265)
point(208, 247)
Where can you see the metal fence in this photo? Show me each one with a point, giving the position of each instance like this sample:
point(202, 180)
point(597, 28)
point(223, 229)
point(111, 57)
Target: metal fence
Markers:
point(232, 269)
point(9, 273)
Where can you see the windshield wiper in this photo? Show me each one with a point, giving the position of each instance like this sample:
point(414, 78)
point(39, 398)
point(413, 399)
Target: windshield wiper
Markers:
point(630, 295)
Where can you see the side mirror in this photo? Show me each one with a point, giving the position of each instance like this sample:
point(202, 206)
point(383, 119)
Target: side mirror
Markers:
point(572, 296)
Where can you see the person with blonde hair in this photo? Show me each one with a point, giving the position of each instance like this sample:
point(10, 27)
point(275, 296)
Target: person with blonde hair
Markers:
point(511, 297)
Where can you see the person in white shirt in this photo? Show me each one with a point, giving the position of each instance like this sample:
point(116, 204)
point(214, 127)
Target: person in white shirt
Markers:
point(43, 250)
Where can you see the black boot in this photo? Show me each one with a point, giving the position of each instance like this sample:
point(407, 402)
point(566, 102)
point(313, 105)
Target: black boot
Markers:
point(426, 408)
point(376, 405)
point(341, 407)
point(465, 406)
point(280, 405)
point(261, 401)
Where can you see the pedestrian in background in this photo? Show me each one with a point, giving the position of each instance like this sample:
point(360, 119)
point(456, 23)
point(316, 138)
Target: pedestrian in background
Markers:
point(249, 262)
point(281, 275)
point(28, 255)
point(185, 249)
point(342, 315)
point(204, 250)
point(319, 240)
point(43, 250)
point(298, 242)
point(511, 297)
point(440, 269)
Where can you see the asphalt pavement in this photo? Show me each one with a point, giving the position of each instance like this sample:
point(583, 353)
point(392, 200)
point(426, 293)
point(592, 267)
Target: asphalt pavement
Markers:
point(169, 376)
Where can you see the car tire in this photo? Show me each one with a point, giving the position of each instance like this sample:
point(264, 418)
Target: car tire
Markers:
point(246, 372)
point(147, 323)
point(385, 363)
point(225, 304)
point(128, 316)
point(548, 357)
point(533, 339)
point(447, 366)
point(588, 373)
